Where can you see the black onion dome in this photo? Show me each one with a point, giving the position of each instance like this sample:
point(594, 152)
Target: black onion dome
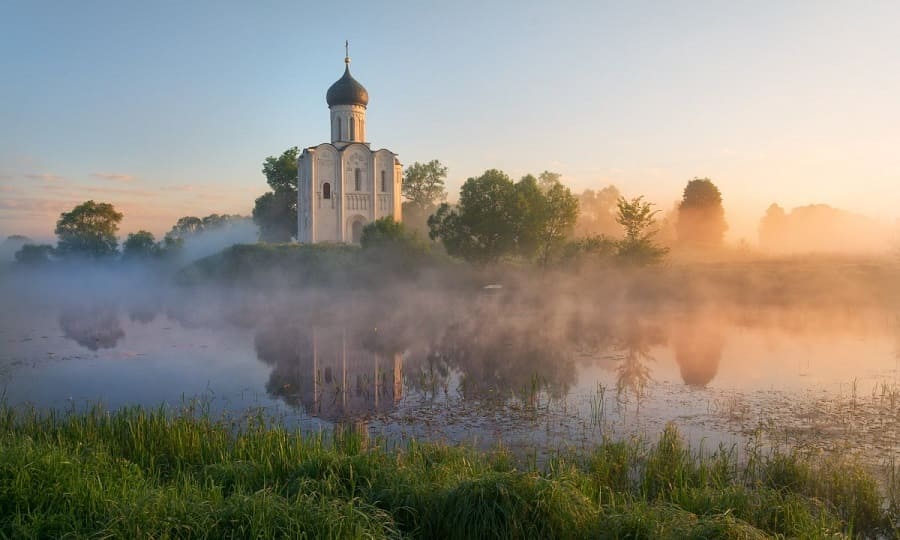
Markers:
point(347, 91)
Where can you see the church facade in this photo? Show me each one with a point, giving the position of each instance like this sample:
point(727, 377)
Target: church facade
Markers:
point(343, 185)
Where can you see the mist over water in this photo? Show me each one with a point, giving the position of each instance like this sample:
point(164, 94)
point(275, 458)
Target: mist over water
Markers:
point(790, 352)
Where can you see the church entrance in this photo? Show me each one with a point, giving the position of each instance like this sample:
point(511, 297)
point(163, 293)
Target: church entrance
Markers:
point(356, 231)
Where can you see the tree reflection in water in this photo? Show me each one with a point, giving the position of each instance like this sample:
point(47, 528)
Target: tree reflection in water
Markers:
point(93, 327)
point(698, 342)
point(635, 338)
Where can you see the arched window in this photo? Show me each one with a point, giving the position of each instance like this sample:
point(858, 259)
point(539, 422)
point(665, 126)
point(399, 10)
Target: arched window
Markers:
point(352, 128)
point(383, 182)
point(326, 190)
point(357, 177)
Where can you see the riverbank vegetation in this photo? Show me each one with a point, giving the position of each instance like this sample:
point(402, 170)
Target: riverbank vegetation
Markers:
point(139, 473)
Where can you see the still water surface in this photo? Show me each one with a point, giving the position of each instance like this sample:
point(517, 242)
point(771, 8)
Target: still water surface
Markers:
point(823, 380)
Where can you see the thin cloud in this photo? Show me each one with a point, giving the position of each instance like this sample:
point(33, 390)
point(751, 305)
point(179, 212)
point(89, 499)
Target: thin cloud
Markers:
point(115, 177)
point(47, 177)
point(117, 191)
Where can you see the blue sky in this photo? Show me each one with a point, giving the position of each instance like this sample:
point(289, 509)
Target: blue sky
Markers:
point(168, 108)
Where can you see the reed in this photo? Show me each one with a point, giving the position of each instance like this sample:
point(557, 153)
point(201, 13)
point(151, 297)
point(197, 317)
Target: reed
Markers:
point(137, 473)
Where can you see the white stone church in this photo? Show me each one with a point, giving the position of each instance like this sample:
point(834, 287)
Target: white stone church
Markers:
point(344, 184)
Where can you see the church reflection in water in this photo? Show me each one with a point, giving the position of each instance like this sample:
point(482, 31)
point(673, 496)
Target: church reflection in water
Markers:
point(333, 373)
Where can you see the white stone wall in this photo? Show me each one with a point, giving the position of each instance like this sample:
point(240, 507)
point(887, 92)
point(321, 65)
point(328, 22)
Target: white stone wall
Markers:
point(352, 122)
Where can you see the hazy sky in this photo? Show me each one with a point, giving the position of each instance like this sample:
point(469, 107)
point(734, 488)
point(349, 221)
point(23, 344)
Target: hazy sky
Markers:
point(167, 109)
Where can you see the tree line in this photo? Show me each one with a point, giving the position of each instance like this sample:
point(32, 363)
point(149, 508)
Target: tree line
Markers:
point(89, 230)
point(536, 219)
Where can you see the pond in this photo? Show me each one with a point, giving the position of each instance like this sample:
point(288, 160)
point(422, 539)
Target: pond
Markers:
point(827, 379)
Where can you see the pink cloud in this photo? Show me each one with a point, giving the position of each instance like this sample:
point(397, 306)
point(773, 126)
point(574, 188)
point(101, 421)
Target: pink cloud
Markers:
point(47, 177)
point(116, 177)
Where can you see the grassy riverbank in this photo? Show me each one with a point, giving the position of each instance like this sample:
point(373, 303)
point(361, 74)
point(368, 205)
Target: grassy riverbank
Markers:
point(139, 474)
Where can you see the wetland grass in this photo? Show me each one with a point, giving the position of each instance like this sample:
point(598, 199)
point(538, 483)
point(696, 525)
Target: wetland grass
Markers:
point(139, 473)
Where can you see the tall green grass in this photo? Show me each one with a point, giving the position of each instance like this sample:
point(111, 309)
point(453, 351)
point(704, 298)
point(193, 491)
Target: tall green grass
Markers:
point(140, 473)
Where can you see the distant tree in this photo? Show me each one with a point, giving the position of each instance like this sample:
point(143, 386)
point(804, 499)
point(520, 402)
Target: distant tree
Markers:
point(772, 226)
point(547, 180)
point(701, 217)
point(597, 212)
point(11, 245)
point(89, 230)
point(275, 212)
point(637, 217)
point(34, 254)
point(186, 226)
point(423, 183)
point(140, 245)
point(482, 227)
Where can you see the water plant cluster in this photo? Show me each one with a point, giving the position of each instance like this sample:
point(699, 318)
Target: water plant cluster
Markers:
point(161, 474)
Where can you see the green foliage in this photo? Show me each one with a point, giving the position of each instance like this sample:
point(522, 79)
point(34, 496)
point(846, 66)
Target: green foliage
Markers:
point(281, 171)
point(188, 226)
point(547, 180)
point(140, 245)
point(385, 233)
point(423, 183)
point(497, 218)
point(637, 217)
point(701, 217)
point(314, 265)
point(34, 254)
point(275, 212)
point(482, 227)
point(140, 473)
point(89, 230)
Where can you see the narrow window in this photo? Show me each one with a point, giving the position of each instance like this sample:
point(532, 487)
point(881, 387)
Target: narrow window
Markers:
point(326, 190)
point(358, 179)
point(337, 129)
point(383, 182)
point(352, 129)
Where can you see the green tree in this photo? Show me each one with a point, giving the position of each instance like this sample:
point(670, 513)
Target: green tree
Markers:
point(548, 179)
point(388, 234)
point(497, 218)
point(185, 227)
point(482, 227)
point(140, 245)
point(423, 189)
point(382, 231)
point(423, 183)
point(89, 230)
point(701, 217)
point(638, 218)
point(34, 254)
point(559, 210)
point(275, 212)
